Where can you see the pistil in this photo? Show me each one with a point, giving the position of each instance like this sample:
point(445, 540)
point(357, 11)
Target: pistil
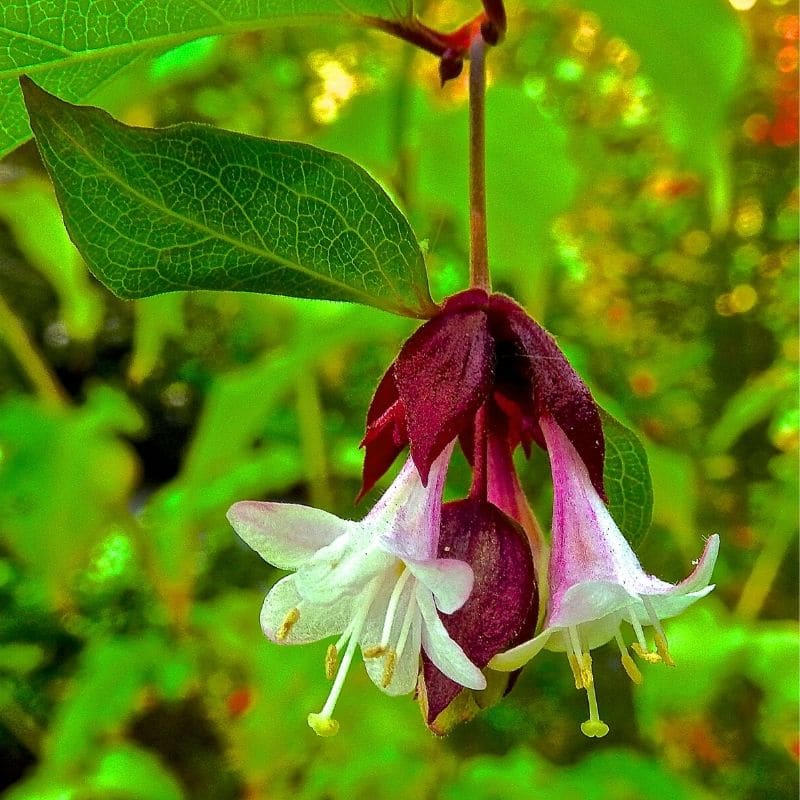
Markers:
point(323, 723)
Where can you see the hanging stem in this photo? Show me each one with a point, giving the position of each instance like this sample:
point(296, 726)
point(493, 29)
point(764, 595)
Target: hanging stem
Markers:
point(479, 252)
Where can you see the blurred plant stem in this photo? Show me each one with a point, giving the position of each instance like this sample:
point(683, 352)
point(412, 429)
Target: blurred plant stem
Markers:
point(21, 725)
point(13, 333)
point(759, 583)
point(400, 124)
point(312, 440)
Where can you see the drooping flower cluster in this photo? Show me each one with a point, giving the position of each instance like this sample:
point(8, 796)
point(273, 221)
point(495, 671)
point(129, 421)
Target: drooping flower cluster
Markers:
point(438, 596)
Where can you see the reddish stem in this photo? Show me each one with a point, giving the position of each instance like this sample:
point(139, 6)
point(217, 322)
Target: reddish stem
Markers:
point(480, 474)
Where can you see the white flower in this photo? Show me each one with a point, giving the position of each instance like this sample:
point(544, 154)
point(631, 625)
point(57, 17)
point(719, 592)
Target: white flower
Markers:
point(597, 583)
point(378, 583)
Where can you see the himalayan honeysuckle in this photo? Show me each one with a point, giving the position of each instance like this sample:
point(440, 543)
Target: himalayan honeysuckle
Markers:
point(442, 597)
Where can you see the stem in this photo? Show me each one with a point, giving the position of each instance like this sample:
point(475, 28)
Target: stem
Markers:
point(480, 477)
point(479, 251)
point(36, 369)
point(312, 440)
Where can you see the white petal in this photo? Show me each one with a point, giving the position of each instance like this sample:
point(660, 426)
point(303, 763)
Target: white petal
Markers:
point(448, 579)
point(588, 602)
point(315, 621)
point(446, 654)
point(406, 668)
point(670, 605)
point(284, 534)
point(520, 655)
point(342, 568)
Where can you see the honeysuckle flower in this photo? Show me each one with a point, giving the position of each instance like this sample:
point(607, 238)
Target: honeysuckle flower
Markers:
point(596, 582)
point(478, 348)
point(378, 583)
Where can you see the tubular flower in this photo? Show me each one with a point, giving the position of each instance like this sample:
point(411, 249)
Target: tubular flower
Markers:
point(597, 583)
point(377, 583)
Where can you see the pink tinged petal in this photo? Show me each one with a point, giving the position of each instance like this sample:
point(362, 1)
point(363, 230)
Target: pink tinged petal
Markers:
point(314, 622)
point(450, 581)
point(443, 374)
point(588, 602)
point(670, 605)
point(502, 608)
point(446, 655)
point(284, 534)
point(587, 544)
point(700, 576)
point(409, 514)
point(557, 389)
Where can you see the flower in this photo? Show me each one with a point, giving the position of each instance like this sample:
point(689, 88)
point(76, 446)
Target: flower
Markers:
point(378, 583)
point(596, 582)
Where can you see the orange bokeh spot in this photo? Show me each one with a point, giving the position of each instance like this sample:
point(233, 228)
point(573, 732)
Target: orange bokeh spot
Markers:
point(788, 26)
point(786, 60)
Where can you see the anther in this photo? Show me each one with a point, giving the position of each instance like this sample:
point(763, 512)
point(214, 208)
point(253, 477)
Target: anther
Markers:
point(331, 661)
point(628, 664)
point(288, 623)
point(576, 670)
point(663, 651)
point(388, 668)
point(586, 670)
point(644, 654)
point(376, 651)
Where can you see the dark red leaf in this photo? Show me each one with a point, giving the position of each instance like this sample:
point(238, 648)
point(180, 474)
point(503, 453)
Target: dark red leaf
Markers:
point(443, 374)
point(504, 600)
point(556, 387)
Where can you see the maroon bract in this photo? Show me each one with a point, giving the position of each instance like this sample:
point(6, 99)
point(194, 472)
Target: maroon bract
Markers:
point(503, 605)
point(478, 348)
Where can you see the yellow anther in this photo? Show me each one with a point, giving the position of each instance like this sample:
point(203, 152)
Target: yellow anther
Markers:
point(288, 623)
point(586, 670)
point(663, 651)
point(594, 728)
point(331, 661)
point(645, 655)
point(322, 725)
point(630, 667)
point(576, 670)
point(376, 651)
point(388, 668)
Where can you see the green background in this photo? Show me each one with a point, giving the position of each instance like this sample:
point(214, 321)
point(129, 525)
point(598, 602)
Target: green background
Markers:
point(643, 205)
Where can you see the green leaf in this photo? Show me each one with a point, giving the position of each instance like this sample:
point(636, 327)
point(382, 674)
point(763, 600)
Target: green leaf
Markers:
point(194, 207)
point(78, 50)
point(627, 480)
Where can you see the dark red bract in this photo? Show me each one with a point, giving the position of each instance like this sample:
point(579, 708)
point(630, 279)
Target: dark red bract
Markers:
point(478, 348)
point(502, 608)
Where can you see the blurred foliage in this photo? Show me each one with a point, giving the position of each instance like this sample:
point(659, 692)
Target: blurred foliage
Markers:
point(643, 205)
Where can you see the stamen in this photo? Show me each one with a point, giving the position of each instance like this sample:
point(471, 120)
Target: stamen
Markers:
point(388, 668)
point(628, 664)
point(659, 637)
point(323, 724)
point(640, 645)
point(288, 623)
point(594, 727)
point(394, 601)
point(583, 661)
point(645, 655)
point(405, 628)
point(586, 670)
point(573, 662)
point(331, 661)
point(376, 651)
